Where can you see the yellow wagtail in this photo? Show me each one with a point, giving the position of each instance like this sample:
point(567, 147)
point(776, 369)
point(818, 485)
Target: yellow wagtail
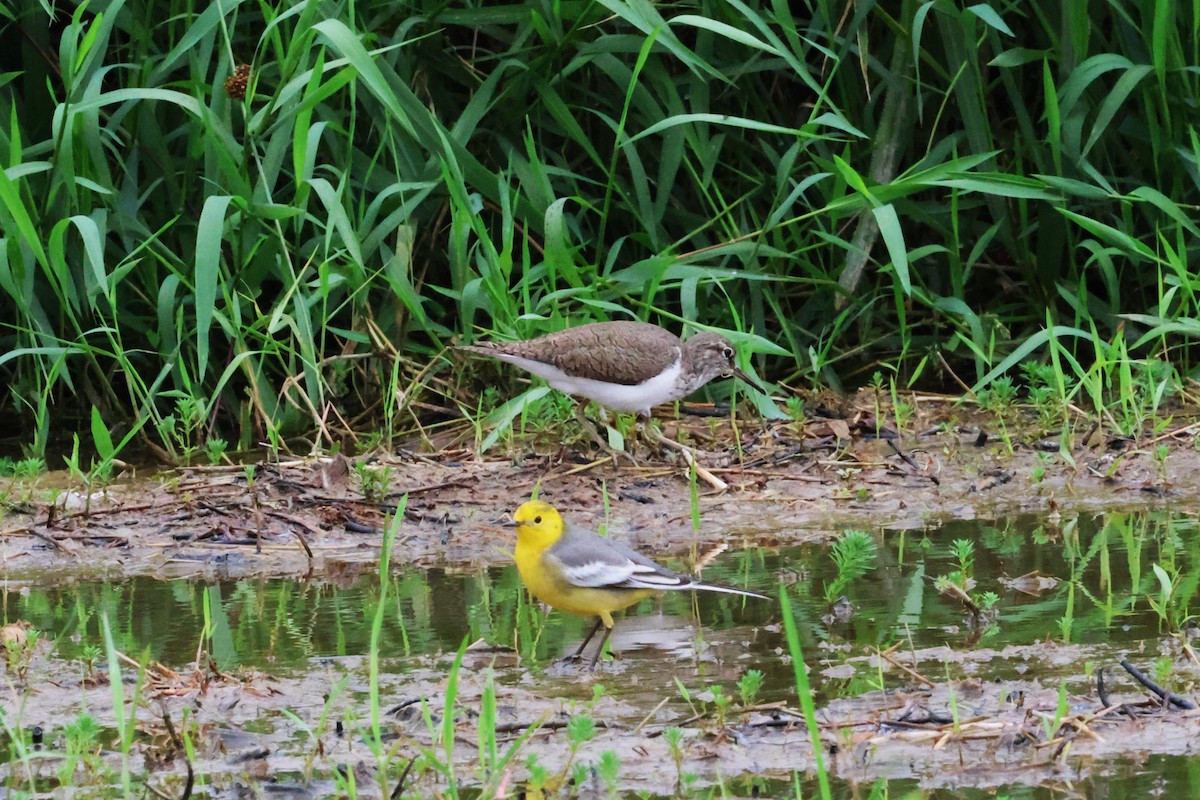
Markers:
point(583, 573)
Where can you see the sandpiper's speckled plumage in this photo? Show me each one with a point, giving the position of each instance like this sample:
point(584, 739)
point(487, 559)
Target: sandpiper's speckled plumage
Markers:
point(623, 365)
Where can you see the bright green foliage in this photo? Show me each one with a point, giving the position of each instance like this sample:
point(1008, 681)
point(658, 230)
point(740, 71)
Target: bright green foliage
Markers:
point(749, 686)
point(608, 767)
point(854, 554)
point(852, 183)
point(373, 481)
point(581, 729)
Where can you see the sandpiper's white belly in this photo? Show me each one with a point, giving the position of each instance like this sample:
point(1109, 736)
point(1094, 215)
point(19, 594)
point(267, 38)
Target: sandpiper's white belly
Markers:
point(662, 388)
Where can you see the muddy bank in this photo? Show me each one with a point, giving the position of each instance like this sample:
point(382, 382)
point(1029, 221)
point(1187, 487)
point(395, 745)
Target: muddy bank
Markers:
point(291, 733)
point(248, 582)
point(786, 485)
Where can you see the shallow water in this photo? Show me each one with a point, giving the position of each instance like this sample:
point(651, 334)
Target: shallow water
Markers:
point(1104, 567)
point(281, 624)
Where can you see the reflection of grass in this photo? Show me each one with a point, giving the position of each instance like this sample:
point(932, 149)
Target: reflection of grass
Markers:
point(280, 624)
point(1096, 565)
point(1171, 602)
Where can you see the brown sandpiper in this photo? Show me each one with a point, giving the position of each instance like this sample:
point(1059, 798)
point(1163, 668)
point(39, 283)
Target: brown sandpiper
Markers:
point(623, 365)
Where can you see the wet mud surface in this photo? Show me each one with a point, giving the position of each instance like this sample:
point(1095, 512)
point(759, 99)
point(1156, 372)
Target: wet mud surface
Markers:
point(940, 716)
point(254, 728)
point(789, 485)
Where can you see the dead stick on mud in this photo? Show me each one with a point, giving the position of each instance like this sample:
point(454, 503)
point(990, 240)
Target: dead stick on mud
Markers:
point(300, 524)
point(1109, 706)
point(165, 673)
point(585, 467)
point(950, 371)
point(45, 537)
point(304, 544)
point(1186, 430)
point(690, 457)
point(177, 743)
point(102, 512)
point(321, 498)
point(913, 673)
point(907, 459)
point(1100, 691)
point(399, 790)
point(1144, 680)
point(653, 711)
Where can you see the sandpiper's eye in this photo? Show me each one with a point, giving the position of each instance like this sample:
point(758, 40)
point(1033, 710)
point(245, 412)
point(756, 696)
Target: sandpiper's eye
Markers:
point(728, 352)
point(537, 520)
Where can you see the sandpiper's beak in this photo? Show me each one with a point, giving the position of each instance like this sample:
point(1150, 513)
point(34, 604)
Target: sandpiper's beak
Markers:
point(738, 373)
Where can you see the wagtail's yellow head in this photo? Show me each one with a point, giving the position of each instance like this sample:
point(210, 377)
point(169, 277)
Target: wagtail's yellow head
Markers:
point(538, 524)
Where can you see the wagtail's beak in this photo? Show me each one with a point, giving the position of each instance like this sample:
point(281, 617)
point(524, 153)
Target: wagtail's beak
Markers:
point(738, 373)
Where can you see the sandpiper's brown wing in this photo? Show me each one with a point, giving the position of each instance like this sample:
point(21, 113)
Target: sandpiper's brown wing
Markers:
point(623, 352)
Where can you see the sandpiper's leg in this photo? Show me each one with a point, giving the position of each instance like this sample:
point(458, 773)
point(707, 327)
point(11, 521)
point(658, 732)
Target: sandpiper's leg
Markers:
point(688, 455)
point(597, 438)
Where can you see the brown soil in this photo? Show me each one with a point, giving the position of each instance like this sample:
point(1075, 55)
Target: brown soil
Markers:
point(787, 484)
point(976, 733)
point(811, 481)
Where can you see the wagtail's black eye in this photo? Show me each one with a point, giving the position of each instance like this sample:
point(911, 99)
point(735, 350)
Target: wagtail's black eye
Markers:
point(537, 520)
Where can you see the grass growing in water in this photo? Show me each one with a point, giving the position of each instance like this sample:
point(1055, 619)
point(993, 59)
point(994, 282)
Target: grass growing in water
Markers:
point(854, 554)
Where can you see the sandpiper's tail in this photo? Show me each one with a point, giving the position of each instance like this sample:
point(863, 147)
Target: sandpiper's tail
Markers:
point(493, 349)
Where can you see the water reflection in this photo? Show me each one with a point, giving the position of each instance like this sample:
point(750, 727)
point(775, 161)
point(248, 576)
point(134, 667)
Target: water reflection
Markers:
point(1098, 578)
point(1122, 579)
